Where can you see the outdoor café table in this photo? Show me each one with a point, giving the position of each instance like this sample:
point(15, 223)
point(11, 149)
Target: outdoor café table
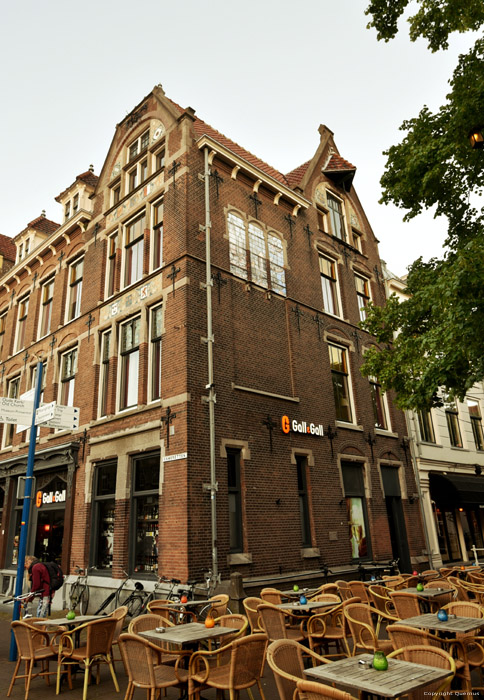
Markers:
point(189, 634)
point(187, 604)
point(63, 621)
point(309, 606)
point(427, 595)
point(401, 677)
point(297, 594)
point(452, 626)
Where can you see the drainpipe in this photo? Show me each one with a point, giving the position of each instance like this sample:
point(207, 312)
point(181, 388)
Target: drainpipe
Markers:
point(411, 432)
point(211, 398)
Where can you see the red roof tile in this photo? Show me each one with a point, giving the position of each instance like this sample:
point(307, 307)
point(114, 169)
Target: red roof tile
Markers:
point(44, 225)
point(296, 175)
point(7, 248)
point(336, 162)
point(88, 178)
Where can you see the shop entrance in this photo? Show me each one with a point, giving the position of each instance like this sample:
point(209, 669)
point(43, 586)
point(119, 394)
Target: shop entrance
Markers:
point(396, 518)
point(49, 535)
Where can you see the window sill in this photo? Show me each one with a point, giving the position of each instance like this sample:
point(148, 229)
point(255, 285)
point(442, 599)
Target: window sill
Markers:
point(460, 449)
point(385, 433)
point(239, 558)
point(348, 426)
point(430, 444)
point(310, 552)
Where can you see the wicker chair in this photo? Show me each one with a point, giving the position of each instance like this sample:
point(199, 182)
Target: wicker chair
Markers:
point(33, 646)
point(271, 595)
point(331, 588)
point(462, 593)
point(326, 597)
point(250, 606)
point(430, 574)
point(119, 615)
point(286, 659)
point(144, 623)
point(310, 690)
point(383, 604)
point(97, 647)
point(472, 644)
point(363, 631)
point(443, 599)
point(143, 672)
point(231, 620)
point(176, 616)
point(330, 627)
point(242, 671)
point(429, 656)
point(219, 604)
point(359, 590)
point(275, 624)
point(410, 581)
point(406, 604)
point(396, 583)
point(344, 590)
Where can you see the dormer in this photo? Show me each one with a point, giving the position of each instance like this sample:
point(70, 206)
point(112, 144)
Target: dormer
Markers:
point(76, 199)
point(35, 233)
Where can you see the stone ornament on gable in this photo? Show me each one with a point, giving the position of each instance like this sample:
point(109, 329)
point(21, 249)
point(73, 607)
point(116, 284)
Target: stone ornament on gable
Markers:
point(320, 195)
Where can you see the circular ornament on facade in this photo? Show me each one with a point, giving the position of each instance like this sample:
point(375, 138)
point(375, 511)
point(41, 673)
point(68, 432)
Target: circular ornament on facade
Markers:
point(116, 170)
point(159, 131)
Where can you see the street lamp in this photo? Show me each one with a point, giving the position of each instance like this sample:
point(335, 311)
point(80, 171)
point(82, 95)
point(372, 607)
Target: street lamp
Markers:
point(476, 137)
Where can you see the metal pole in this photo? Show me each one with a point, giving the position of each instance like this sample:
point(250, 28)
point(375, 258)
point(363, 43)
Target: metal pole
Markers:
point(24, 526)
point(211, 398)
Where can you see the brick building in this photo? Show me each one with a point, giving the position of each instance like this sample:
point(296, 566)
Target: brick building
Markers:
point(310, 458)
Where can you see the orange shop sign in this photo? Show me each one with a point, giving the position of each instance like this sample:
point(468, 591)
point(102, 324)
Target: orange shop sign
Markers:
point(302, 427)
point(45, 497)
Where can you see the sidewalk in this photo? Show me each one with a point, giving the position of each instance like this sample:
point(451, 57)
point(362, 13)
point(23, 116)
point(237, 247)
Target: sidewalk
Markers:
point(105, 690)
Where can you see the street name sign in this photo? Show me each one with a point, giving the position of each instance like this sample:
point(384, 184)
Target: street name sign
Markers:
point(16, 411)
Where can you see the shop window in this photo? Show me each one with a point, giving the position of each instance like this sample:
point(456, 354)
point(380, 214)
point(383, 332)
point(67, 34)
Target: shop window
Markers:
point(425, 426)
point(452, 418)
point(302, 489)
point(133, 250)
point(47, 296)
point(476, 423)
point(146, 488)
point(111, 265)
point(336, 216)
point(329, 285)
point(362, 295)
point(23, 309)
point(235, 500)
point(340, 376)
point(256, 254)
point(356, 509)
point(379, 405)
point(104, 383)
point(157, 235)
point(13, 392)
point(447, 535)
point(156, 327)
point(129, 363)
point(67, 377)
point(74, 291)
point(104, 509)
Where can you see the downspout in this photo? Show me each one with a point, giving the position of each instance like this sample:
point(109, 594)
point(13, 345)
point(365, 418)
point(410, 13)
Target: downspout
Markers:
point(211, 398)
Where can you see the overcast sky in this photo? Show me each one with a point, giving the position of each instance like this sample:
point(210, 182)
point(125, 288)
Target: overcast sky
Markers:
point(264, 73)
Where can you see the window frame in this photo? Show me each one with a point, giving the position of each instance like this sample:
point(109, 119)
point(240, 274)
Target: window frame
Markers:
point(125, 387)
point(337, 216)
point(3, 326)
point(363, 294)
point(98, 499)
point(104, 368)
point(136, 263)
point(11, 393)
point(46, 306)
point(156, 252)
point(426, 427)
point(20, 331)
point(151, 517)
point(379, 404)
point(234, 498)
point(67, 382)
point(140, 146)
point(453, 427)
point(330, 291)
point(156, 353)
point(303, 498)
point(74, 289)
point(345, 373)
point(111, 257)
point(353, 478)
point(476, 423)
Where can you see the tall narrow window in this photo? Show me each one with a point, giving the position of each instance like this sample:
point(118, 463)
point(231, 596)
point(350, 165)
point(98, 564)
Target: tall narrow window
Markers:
point(111, 265)
point(75, 289)
point(23, 308)
point(425, 426)
point(235, 500)
point(129, 364)
point(237, 246)
point(146, 489)
point(257, 255)
point(27, 246)
point(13, 392)
point(115, 194)
point(3, 323)
point(103, 521)
point(356, 508)
point(104, 379)
point(338, 358)
point(476, 423)
point(143, 170)
point(133, 262)
point(452, 418)
point(67, 211)
point(160, 160)
point(157, 239)
point(335, 207)
point(329, 285)
point(47, 295)
point(302, 489)
point(133, 179)
point(378, 404)
point(276, 263)
point(362, 294)
point(155, 352)
point(67, 377)
point(75, 204)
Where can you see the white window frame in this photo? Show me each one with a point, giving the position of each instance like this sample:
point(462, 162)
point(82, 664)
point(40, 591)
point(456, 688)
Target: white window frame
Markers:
point(334, 285)
point(45, 305)
point(475, 419)
point(132, 244)
point(21, 326)
point(3, 326)
point(138, 142)
point(69, 379)
point(104, 369)
point(128, 374)
point(74, 286)
point(359, 295)
point(155, 339)
point(111, 257)
point(349, 381)
point(374, 383)
point(332, 216)
point(156, 229)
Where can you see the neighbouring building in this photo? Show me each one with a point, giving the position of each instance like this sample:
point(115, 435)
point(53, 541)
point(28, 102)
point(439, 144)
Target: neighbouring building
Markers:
point(310, 457)
point(447, 446)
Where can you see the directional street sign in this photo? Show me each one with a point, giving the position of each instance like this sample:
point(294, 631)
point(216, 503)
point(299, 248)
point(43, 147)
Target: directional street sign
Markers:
point(16, 411)
point(65, 417)
point(26, 396)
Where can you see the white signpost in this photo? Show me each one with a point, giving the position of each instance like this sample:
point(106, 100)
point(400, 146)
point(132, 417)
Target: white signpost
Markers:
point(26, 396)
point(15, 410)
point(50, 415)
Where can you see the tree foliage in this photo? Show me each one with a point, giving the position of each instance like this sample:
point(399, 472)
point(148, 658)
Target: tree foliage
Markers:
point(440, 326)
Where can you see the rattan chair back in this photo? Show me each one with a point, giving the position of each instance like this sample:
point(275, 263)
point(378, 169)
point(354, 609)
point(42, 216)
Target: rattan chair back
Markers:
point(138, 655)
point(331, 588)
point(402, 636)
point(175, 615)
point(406, 604)
point(250, 606)
point(344, 590)
point(359, 590)
point(428, 656)
point(286, 659)
point(271, 595)
point(219, 605)
point(310, 690)
point(360, 620)
point(273, 621)
point(33, 647)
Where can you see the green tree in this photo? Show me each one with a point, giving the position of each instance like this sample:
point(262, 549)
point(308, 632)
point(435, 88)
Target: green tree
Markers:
point(440, 326)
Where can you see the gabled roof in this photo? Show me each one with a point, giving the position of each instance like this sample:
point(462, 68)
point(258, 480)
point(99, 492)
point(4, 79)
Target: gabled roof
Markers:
point(88, 178)
point(296, 175)
point(44, 225)
point(338, 164)
point(7, 248)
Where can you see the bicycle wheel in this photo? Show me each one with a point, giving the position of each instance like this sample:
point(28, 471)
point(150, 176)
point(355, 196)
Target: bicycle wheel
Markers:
point(75, 595)
point(84, 601)
point(134, 604)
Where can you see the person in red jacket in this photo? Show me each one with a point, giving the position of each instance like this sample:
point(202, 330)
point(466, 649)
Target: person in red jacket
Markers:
point(40, 581)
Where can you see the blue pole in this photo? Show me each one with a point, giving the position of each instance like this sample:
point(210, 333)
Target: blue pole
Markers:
point(24, 527)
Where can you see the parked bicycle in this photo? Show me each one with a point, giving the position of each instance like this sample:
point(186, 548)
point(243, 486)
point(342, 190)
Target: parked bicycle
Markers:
point(24, 599)
point(135, 601)
point(79, 592)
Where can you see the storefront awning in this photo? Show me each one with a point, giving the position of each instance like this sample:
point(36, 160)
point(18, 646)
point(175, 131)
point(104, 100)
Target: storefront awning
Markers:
point(457, 489)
